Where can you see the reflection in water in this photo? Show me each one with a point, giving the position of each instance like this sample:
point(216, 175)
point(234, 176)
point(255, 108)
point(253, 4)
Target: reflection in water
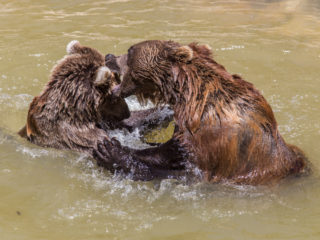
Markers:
point(63, 195)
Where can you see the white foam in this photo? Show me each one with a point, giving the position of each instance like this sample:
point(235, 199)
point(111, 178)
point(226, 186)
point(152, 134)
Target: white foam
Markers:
point(133, 139)
point(36, 54)
point(34, 153)
point(129, 139)
point(134, 105)
point(232, 47)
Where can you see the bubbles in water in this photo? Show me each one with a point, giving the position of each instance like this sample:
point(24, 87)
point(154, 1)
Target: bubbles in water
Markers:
point(286, 51)
point(232, 47)
point(19, 101)
point(34, 153)
point(129, 139)
point(134, 139)
point(6, 171)
point(39, 152)
point(37, 55)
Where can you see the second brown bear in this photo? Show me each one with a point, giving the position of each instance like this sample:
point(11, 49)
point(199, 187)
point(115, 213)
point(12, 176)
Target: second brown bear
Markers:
point(225, 127)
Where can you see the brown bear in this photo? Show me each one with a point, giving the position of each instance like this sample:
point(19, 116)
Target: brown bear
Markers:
point(224, 126)
point(76, 108)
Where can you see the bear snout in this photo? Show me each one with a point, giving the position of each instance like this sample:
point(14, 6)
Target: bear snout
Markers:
point(111, 62)
point(109, 56)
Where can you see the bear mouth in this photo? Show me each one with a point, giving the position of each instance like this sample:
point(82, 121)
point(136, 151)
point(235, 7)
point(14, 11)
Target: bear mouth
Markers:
point(143, 93)
point(154, 95)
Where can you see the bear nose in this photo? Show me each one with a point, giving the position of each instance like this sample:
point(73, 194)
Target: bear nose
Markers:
point(109, 56)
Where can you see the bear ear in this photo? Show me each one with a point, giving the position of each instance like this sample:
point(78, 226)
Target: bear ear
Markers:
point(204, 49)
point(207, 47)
point(103, 74)
point(72, 47)
point(182, 54)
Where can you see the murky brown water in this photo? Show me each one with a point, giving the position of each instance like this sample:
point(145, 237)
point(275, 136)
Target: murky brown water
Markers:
point(50, 194)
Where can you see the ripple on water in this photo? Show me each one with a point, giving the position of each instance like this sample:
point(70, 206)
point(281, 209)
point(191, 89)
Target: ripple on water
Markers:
point(19, 101)
point(143, 204)
point(33, 152)
point(101, 199)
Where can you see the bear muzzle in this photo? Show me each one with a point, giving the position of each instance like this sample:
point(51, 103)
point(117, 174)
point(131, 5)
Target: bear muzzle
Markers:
point(111, 63)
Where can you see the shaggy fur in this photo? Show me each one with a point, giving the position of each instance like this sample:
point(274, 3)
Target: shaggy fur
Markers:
point(76, 108)
point(225, 127)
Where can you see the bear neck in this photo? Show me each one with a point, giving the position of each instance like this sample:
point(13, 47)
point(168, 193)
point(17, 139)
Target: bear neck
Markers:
point(71, 101)
point(193, 89)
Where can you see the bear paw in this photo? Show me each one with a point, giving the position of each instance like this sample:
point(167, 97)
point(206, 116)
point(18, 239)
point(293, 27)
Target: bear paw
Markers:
point(71, 46)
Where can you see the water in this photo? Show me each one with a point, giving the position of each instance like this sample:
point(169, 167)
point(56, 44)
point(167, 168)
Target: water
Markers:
point(51, 194)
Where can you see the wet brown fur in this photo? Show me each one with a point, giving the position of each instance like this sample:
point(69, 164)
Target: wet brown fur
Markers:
point(73, 111)
point(225, 126)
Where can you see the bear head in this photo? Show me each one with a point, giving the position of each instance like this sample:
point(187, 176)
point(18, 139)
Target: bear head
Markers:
point(76, 98)
point(92, 82)
point(150, 69)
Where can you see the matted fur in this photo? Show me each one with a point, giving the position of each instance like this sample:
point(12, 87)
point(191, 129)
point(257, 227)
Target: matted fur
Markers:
point(75, 108)
point(225, 126)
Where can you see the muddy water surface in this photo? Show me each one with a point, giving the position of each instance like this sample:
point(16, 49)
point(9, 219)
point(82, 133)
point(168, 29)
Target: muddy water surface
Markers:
point(50, 194)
